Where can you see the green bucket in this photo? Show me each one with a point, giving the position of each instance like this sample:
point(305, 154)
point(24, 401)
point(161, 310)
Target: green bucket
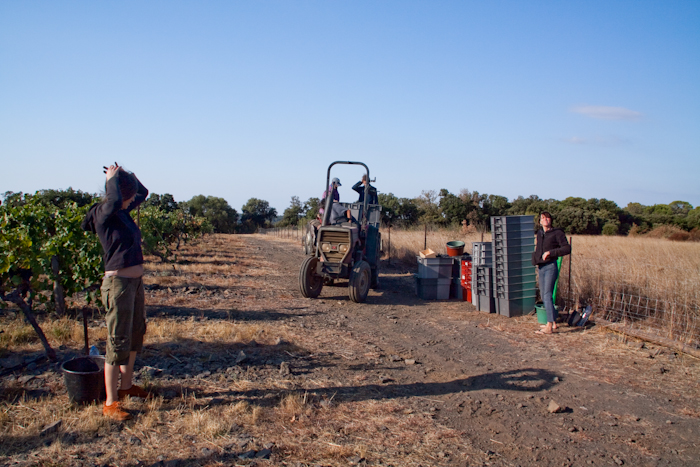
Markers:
point(542, 313)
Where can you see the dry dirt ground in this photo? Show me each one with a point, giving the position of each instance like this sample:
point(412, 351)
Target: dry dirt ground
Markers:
point(394, 381)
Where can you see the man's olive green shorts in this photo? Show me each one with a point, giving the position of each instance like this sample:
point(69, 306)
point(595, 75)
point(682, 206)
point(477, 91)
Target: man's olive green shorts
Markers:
point(124, 300)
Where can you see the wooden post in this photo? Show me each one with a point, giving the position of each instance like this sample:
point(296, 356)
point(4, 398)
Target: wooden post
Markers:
point(85, 331)
point(58, 295)
point(568, 287)
point(389, 242)
point(425, 238)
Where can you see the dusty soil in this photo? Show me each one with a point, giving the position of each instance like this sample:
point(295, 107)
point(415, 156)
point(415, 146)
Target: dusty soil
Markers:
point(397, 381)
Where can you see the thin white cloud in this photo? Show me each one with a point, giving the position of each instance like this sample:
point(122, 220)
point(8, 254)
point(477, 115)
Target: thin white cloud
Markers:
point(597, 140)
point(607, 113)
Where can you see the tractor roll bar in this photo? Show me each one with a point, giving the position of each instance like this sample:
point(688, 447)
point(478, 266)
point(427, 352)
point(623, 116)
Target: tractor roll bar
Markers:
point(330, 195)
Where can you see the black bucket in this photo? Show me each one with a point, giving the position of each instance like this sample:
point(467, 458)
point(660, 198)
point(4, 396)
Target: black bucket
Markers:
point(85, 379)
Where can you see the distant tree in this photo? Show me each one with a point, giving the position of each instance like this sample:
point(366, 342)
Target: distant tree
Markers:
point(520, 206)
point(10, 198)
point(256, 213)
point(611, 228)
point(495, 205)
point(59, 198)
point(635, 209)
point(693, 218)
point(578, 221)
point(452, 208)
point(311, 208)
point(427, 202)
point(217, 211)
point(292, 214)
point(164, 202)
point(398, 211)
point(390, 207)
point(681, 208)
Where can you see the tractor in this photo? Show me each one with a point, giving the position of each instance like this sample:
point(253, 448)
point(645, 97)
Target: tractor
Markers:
point(346, 250)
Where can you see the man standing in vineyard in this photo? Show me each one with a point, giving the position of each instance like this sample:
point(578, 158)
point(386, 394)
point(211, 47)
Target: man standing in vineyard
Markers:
point(122, 286)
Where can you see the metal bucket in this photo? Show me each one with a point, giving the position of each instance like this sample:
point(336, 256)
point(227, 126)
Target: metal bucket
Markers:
point(85, 379)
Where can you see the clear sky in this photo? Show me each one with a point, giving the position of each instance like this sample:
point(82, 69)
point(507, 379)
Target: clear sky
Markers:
point(241, 99)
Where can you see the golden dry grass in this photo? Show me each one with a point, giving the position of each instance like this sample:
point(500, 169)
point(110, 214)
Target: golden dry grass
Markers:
point(302, 425)
point(404, 244)
point(658, 274)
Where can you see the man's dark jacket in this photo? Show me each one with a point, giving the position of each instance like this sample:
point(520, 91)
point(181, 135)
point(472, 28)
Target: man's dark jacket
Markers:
point(373, 198)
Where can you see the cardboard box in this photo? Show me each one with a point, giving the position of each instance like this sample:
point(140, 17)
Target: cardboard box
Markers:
point(427, 253)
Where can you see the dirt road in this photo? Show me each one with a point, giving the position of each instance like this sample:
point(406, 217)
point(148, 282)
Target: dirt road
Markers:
point(493, 380)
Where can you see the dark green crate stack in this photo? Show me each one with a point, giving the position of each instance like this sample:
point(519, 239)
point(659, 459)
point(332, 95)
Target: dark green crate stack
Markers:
point(514, 278)
point(482, 277)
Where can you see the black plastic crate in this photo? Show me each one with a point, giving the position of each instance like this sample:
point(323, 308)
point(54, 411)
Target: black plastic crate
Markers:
point(506, 236)
point(501, 279)
point(485, 303)
point(514, 241)
point(499, 250)
point(516, 294)
point(433, 289)
point(515, 307)
point(509, 289)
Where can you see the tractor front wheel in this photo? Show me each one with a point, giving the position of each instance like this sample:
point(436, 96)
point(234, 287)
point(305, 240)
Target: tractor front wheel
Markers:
point(360, 278)
point(310, 283)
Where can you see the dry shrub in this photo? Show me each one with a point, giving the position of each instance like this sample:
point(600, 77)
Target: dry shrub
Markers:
point(663, 231)
point(694, 235)
point(679, 237)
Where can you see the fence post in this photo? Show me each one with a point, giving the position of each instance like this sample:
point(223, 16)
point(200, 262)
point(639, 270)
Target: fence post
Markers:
point(568, 288)
point(389, 242)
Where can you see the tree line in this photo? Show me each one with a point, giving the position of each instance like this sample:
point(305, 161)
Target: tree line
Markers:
point(574, 215)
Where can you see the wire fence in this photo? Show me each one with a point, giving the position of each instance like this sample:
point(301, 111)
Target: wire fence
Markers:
point(633, 306)
point(293, 232)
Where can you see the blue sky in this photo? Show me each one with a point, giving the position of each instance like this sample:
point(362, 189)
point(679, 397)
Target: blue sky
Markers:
point(597, 99)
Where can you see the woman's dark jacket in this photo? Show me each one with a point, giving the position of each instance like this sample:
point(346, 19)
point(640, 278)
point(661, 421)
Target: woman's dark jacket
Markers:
point(553, 241)
point(118, 233)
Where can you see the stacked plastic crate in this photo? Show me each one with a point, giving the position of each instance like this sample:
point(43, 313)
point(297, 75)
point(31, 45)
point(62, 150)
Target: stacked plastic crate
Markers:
point(465, 279)
point(434, 278)
point(514, 279)
point(482, 277)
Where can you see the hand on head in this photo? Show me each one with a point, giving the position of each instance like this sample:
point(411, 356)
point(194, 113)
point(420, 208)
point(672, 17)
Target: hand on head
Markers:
point(111, 171)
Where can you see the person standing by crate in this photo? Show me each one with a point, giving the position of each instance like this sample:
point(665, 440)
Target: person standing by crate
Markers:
point(551, 244)
point(122, 286)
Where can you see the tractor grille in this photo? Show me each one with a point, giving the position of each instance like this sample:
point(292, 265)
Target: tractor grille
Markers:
point(335, 239)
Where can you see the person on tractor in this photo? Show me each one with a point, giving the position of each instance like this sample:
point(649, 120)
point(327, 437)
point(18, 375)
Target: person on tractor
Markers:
point(360, 188)
point(340, 214)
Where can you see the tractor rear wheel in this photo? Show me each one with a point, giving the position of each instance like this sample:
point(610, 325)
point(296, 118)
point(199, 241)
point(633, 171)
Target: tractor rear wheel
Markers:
point(360, 278)
point(374, 284)
point(310, 283)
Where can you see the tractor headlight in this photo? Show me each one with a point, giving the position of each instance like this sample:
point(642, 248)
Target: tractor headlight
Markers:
point(342, 248)
point(325, 247)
